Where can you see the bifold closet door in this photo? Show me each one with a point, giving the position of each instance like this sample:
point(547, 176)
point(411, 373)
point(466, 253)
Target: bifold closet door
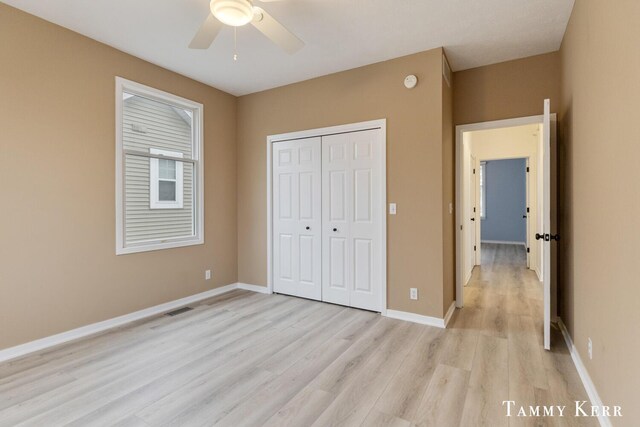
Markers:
point(297, 218)
point(351, 251)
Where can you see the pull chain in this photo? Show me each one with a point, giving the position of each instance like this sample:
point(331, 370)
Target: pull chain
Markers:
point(235, 43)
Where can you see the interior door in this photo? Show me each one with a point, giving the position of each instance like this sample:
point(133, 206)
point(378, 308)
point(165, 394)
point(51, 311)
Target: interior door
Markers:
point(473, 214)
point(351, 244)
point(297, 218)
point(526, 215)
point(546, 220)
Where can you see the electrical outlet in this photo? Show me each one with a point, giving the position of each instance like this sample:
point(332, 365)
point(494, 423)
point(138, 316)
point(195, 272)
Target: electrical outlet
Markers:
point(450, 208)
point(413, 293)
point(392, 209)
point(207, 275)
point(590, 349)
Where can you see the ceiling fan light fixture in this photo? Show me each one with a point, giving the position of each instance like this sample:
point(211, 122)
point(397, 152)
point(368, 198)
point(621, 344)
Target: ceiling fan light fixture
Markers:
point(232, 12)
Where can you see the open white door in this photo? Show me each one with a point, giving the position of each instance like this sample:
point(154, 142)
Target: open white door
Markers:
point(526, 216)
point(546, 220)
point(473, 176)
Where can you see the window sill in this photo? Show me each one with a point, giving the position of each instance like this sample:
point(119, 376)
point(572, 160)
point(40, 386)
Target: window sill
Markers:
point(158, 246)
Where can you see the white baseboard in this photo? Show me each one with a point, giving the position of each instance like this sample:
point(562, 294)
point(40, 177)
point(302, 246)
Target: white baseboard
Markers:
point(538, 274)
point(449, 313)
point(253, 288)
point(417, 318)
point(94, 328)
point(503, 242)
point(584, 375)
point(468, 277)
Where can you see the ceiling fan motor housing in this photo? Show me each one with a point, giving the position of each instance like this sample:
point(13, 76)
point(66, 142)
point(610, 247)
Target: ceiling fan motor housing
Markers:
point(232, 12)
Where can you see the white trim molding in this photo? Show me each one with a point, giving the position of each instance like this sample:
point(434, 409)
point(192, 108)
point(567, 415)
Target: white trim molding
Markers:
point(459, 131)
point(447, 316)
point(123, 86)
point(588, 384)
point(421, 319)
point(254, 288)
point(94, 328)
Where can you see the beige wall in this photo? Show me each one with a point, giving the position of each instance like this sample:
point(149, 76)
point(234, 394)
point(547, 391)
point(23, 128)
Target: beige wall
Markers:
point(600, 195)
point(414, 165)
point(58, 268)
point(506, 90)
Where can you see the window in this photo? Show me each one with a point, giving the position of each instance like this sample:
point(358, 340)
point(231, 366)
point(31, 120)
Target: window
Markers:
point(159, 174)
point(167, 181)
point(483, 190)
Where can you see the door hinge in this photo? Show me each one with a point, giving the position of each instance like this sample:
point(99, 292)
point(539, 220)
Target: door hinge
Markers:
point(474, 247)
point(527, 210)
point(527, 168)
point(474, 210)
point(474, 171)
point(527, 250)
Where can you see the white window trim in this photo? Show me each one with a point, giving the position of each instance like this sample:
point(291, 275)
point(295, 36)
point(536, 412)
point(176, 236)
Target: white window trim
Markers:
point(154, 181)
point(123, 85)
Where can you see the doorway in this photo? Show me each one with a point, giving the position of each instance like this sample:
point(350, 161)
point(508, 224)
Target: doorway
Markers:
point(504, 204)
point(477, 145)
point(327, 216)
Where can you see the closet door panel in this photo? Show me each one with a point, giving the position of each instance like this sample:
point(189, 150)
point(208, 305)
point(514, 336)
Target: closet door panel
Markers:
point(297, 218)
point(351, 243)
point(365, 220)
point(336, 211)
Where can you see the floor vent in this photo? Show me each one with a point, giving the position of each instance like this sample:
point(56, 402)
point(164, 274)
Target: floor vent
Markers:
point(178, 311)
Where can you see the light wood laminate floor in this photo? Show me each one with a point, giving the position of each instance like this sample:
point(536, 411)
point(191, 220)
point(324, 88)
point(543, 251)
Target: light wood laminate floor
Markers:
point(247, 359)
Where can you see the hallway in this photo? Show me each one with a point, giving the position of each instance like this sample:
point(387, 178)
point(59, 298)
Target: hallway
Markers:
point(500, 331)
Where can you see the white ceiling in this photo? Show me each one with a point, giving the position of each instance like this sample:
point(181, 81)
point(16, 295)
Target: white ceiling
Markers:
point(339, 34)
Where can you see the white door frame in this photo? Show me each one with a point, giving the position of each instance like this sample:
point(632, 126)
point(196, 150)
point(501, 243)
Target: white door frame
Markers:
point(332, 130)
point(460, 129)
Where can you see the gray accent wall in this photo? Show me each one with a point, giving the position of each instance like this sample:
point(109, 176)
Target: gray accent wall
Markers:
point(506, 198)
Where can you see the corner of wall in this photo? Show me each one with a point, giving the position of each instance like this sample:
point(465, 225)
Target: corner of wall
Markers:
point(448, 192)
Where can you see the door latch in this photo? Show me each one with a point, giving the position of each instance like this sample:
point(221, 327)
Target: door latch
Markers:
point(547, 237)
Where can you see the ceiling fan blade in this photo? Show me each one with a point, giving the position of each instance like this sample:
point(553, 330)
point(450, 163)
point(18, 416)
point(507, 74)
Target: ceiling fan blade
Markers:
point(276, 32)
point(206, 33)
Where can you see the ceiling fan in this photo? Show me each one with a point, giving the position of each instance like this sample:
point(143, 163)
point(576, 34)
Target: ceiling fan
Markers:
point(237, 13)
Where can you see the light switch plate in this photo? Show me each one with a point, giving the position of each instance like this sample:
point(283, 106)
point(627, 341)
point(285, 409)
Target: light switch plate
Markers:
point(392, 209)
point(207, 275)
